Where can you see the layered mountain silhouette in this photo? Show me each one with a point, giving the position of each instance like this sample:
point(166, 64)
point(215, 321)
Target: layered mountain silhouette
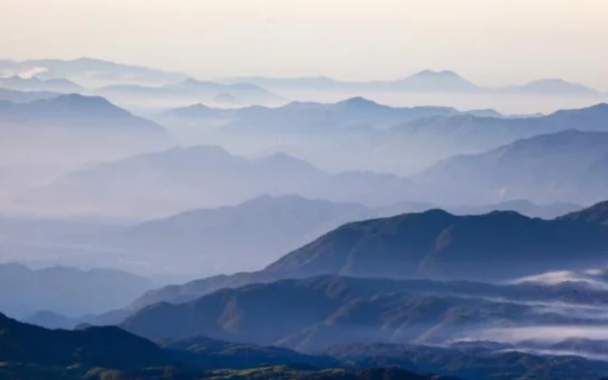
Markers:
point(58, 85)
point(298, 117)
point(108, 352)
point(203, 239)
point(316, 313)
point(420, 143)
point(108, 347)
point(481, 361)
point(73, 111)
point(427, 81)
point(234, 238)
point(436, 244)
point(28, 350)
point(186, 92)
point(208, 176)
point(65, 290)
point(91, 72)
point(568, 165)
point(15, 96)
point(552, 87)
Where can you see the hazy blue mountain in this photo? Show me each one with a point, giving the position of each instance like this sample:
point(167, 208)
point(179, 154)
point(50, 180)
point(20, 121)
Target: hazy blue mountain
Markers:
point(73, 111)
point(108, 347)
point(491, 247)
point(108, 352)
point(436, 81)
point(68, 291)
point(33, 352)
point(182, 179)
point(247, 236)
point(321, 83)
point(484, 361)
point(52, 320)
point(208, 176)
point(204, 239)
point(552, 87)
point(309, 117)
point(369, 188)
point(59, 85)
point(524, 207)
point(420, 143)
point(188, 91)
point(564, 166)
point(92, 72)
point(427, 81)
point(340, 310)
point(15, 96)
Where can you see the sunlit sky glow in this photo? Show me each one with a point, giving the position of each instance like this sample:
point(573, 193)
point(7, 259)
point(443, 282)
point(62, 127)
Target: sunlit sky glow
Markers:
point(492, 42)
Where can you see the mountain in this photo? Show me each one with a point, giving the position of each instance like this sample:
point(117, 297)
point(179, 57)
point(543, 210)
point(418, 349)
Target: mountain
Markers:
point(564, 166)
point(188, 91)
point(234, 238)
point(29, 351)
point(242, 237)
point(73, 111)
point(427, 81)
point(67, 133)
point(203, 177)
point(494, 246)
point(70, 291)
point(552, 87)
point(299, 117)
point(415, 145)
point(97, 346)
point(183, 179)
point(340, 310)
point(24, 96)
point(521, 206)
point(59, 85)
point(91, 72)
point(436, 244)
point(497, 361)
point(436, 82)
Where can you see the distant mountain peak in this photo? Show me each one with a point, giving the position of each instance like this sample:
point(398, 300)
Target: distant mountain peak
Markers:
point(359, 101)
point(597, 213)
point(435, 74)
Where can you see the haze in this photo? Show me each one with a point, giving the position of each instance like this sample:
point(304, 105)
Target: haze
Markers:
point(492, 42)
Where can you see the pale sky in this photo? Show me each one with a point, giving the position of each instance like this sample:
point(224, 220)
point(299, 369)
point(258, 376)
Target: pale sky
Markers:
point(491, 42)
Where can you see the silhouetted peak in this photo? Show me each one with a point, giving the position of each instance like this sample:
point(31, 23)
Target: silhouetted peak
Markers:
point(437, 74)
point(597, 213)
point(359, 102)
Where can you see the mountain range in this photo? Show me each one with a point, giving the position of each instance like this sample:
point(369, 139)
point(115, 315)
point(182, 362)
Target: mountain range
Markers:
point(108, 352)
point(59, 85)
point(90, 72)
point(306, 117)
point(189, 91)
point(15, 96)
point(436, 244)
point(186, 178)
point(415, 145)
point(426, 81)
point(72, 111)
point(70, 291)
point(569, 165)
point(203, 239)
point(317, 313)
point(29, 351)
